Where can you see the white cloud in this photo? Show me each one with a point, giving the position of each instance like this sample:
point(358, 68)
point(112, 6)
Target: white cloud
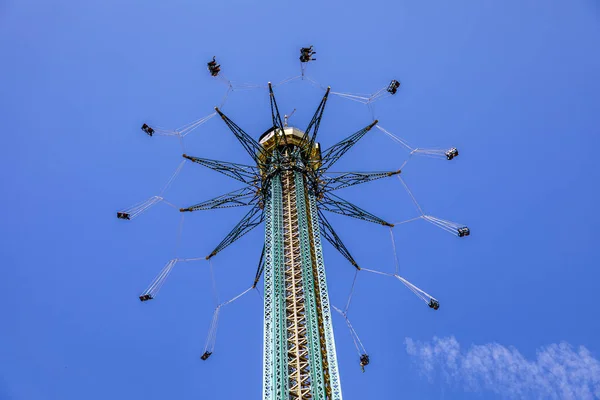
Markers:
point(558, 371)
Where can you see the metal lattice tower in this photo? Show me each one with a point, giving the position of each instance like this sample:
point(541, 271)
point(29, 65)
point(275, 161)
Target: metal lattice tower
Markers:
point(289, 187)
point(299, 348)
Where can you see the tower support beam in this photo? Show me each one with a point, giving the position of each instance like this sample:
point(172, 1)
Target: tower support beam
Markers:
point(299, 350)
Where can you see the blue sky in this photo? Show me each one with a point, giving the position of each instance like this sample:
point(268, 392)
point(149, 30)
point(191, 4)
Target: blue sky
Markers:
point(514, 85)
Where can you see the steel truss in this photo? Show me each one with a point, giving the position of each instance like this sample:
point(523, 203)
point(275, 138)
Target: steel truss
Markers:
point(347, 179)
point(333, 238)
point(335, 204)
point(335, 152)
point(242, 197)
point(248, 222)
point(243, 173)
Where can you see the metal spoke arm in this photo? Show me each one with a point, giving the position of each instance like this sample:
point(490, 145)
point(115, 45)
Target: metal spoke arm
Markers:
point(335, 204)
point(335, 152)
point(249, 144)
point(276, 117)
point(238, 198)
point(243, 173)
point(261, 267)
point(250, 221)
point(332, 237)
point(346, 179)
point(307, 144)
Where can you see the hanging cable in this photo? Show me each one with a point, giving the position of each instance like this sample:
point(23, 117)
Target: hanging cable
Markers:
point(224, 99)
point(315, 83)
point(188, 128)
point(192, 259)
point(224, 80)
point(431, 301)
point(431, 153)
point(179, 234)
point(351, 291)
point(353, 97)
point(182, 144)
point(180, 132)
point(380, 94)
point(152, 290)
point(246, 86)
point(411, 195)
point(426, 297)
point(172, 178)
point(408, 220)
point(376, 272)
point(360, 348)
point(288, 80)
point(371, 111)
point(213, 282)
point(449, 226)
point(211, 338)
point(135, 210)
point(364, 98)
point(395, 253)
point(395, 138)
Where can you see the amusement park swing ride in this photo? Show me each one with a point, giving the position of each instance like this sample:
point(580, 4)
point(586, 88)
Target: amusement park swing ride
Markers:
point(290, 188)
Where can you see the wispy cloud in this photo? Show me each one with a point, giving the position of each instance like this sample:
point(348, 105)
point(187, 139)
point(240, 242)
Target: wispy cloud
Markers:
point(558, 372)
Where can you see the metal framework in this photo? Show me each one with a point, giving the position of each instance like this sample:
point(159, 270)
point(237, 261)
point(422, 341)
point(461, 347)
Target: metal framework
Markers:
point(289, 187)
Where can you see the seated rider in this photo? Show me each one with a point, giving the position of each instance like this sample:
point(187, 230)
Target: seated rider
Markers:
point(364, 361)
point(306, 53)
point(213, 67)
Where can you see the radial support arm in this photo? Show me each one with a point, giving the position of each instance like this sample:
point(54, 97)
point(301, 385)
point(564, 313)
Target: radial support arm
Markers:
point(249, 144)
point(346, 179)
point(250, 221)
point(335, 204)
point(243, 173)
point(336, 151)
point(334, 239)
point(261, 267)
point(242, 197)
point(276, 117)
point(313, 127)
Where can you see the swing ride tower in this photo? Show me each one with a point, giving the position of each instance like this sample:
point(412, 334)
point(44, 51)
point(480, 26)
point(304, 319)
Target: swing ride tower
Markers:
point(289, 186)
point(288, 189)
point(299, 359)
